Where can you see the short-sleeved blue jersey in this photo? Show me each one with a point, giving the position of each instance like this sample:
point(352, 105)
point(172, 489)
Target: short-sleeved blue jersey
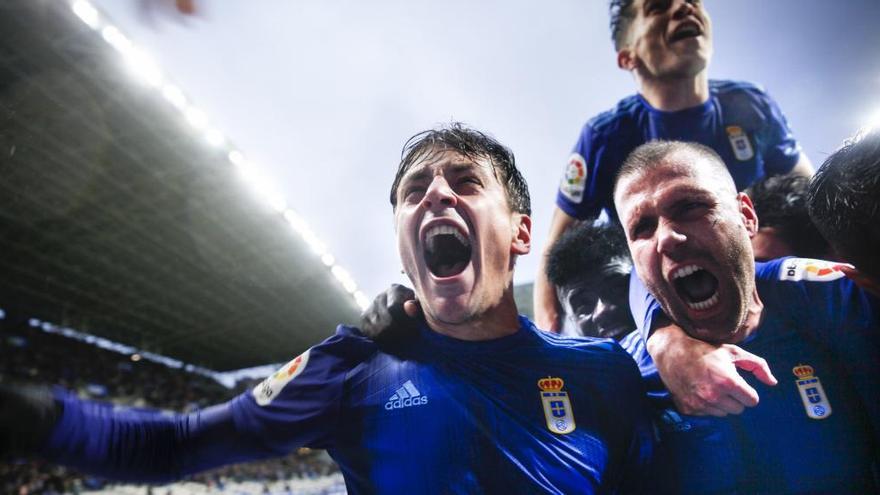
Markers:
point(814, 432)
point(526, 413)
point(739, 121)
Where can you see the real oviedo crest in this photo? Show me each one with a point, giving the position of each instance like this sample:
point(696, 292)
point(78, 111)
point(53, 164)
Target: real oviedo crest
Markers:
point(557, 407)
point(812, 394)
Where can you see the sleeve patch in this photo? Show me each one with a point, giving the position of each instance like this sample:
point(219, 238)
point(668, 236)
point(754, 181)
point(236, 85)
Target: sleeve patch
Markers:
point(268, 389)
point(575, 178)
point(797, 269)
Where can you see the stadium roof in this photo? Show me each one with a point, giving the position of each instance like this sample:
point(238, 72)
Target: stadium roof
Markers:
point(118, 220)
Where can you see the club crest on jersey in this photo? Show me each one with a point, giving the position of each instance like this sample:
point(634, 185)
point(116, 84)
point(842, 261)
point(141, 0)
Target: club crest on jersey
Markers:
point(575, 179)
point(796, 269)
point(268, 389)
point(812, 394)
point(557, 407)
point(739, 141)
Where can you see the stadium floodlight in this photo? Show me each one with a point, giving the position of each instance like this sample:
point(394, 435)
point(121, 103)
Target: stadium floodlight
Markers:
point(144, 66)
point(135, 357)
point(116, 39)
point(328, 259)
point(86, 13)
point(215, 138)
point(236, 158)
point(874, 120)
point(344, 277)
point(33, 322)
point(195, 117)
point(362, 300)
point(2, 314)
point(175, 96)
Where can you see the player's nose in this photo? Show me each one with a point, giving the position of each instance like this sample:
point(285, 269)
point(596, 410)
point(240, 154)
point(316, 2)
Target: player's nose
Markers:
point(439, 195)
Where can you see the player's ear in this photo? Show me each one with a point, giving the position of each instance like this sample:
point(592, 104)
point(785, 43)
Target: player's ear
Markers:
point(522, 234)
point(748, 214)
point(626, 59)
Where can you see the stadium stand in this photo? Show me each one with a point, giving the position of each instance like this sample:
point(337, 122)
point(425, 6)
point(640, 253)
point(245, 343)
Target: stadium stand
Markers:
point(28, 353)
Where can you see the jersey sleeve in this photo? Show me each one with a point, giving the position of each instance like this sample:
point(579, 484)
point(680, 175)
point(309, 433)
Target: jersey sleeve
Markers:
point(781, 149)
point(300, 404)
point(296, 406)
point(576, 196)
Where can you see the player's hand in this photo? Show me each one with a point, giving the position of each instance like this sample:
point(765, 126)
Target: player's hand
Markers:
point(865, 282)
point(702, 377)
point(393, 315)
point(28, 413)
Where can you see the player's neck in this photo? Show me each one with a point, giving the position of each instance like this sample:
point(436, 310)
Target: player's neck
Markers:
point(496, 322)
point(754, 313)
point(671, 95)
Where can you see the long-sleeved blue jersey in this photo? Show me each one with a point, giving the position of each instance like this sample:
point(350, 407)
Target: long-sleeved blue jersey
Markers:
point(814, 432)
point(526, 413)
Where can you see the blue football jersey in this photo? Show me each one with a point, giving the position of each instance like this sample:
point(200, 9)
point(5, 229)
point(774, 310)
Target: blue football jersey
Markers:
point(814, 432)
point(526, 413)
point(739, 121)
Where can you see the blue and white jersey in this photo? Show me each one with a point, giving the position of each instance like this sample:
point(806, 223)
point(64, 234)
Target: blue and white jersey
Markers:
point(816, 430)
point(739, 121)
point(526, 413)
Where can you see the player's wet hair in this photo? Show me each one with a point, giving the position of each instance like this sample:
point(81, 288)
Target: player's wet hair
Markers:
point(473, 144)
point(781, 202)
point(621, 15)
point(651, 154)
point(588, 251)
point(844, 201)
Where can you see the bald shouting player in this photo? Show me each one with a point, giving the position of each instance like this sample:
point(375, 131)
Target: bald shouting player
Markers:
point(666, 45)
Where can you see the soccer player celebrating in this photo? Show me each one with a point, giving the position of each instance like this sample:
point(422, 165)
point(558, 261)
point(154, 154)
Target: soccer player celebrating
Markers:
point(477, 401)
point(666, 45)
point(816, 432)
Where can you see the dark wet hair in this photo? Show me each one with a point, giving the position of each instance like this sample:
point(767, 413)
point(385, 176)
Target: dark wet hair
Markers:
point(844, 201)
point(473, 144)
point(589, 250)
point(621, 15)
point(781, 202)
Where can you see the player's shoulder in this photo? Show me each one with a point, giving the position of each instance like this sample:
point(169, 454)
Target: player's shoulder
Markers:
point(579, 348)
point(799, 270)
point(727, 87)
point(617, 119)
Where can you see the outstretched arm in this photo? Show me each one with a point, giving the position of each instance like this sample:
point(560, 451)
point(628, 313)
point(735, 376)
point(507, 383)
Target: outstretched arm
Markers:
point(145, 445)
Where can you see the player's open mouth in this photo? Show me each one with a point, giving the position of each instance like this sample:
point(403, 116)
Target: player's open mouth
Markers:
point(684, 31)
point(696, 287)
point(447, 251)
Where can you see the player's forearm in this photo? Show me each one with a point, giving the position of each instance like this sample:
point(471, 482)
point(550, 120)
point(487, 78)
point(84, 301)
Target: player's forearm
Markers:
point(142, 445)
point(546, 305)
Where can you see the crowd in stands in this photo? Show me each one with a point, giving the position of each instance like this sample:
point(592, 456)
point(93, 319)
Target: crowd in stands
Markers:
point(27, 353)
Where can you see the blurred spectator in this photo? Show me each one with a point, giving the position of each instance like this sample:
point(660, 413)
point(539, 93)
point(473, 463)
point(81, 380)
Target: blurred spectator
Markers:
point(784, 227)
point(590, 267)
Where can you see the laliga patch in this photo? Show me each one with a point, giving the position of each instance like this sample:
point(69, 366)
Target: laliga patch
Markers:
point(575, 179)
point(796, 269)
point(739, 141)
point(557, 407)
point(268, 389)
point(812, 394)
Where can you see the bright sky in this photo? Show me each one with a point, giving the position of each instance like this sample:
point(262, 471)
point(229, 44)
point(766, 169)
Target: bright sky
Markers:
point(322, 94)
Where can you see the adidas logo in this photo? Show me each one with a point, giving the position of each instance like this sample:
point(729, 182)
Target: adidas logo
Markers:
point(406, 396)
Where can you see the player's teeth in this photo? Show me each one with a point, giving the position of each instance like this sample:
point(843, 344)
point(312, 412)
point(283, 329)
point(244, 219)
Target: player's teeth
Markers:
point(433, 232)
point(708, 303)
point(685, 271)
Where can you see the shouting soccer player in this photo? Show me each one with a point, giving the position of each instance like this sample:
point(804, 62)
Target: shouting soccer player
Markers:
point(478, 401)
